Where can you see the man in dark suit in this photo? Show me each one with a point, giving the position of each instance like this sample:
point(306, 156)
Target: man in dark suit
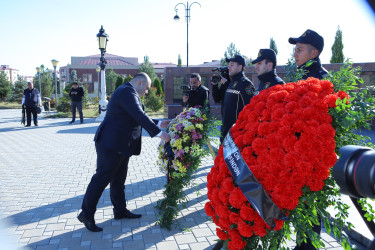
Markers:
point(118, 137)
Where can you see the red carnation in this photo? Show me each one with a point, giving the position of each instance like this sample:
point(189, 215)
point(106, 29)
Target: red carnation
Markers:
point(244, 229)
point(221, 234)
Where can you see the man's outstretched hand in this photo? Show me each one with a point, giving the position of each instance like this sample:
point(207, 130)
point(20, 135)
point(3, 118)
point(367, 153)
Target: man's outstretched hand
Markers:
point(165, 136)
point(165, 123)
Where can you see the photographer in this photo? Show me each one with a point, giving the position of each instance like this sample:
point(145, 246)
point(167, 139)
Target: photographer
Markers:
point(196, 94)
point(233, 94)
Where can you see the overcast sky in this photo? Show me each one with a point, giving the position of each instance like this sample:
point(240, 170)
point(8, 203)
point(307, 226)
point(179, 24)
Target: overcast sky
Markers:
point(34, 32)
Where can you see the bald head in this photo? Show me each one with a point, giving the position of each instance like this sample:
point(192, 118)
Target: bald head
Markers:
point(141, 83)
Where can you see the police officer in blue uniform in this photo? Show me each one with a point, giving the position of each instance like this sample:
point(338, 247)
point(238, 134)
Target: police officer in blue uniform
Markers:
point(265, 66)
point(235, 95)
point(308, 48)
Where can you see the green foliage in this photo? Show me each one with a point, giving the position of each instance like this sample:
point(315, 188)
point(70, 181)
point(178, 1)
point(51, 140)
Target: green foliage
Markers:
point(179, 61)
point(19, 86)
point(147, 67)
point(360, 110)
point(73, 76)
point(119, 82)
point(153, 101)
point(162, 85)
point(231, 52)
point(157, 85)
point(337, 48)
point(5, 86)
point(273, 45)
point(46, 81)
point(128, 78)
point(110, 81)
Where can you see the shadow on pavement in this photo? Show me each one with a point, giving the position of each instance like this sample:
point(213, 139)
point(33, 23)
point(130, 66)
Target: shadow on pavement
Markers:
point(126, 232)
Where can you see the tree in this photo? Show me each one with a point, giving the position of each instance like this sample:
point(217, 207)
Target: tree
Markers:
point(19, 86)
point(73, 76)
point(231, 52)
point(337, 48)
point(147, 68)
point(157, 85)
point(46, 81)
point(128, 78)
point(110, 80)
point(273, 45)
point(179, 61)
point(5, 86)
point(119, 82)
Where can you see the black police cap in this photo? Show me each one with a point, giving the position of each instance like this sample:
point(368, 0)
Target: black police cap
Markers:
point(238, 59)
point(309, 37)
point(265, 54)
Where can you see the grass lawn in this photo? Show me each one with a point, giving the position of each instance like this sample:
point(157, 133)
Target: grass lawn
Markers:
point(91, 112)
point(10, 105)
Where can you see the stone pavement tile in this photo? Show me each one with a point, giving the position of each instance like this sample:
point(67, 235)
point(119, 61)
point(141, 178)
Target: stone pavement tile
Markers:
point(170, 245)
point(202, 232)
point(55, 227)
point(152, 238)
point(90, 236)
point(32, 233)
point(185, 239)
point(133, 245)
point(199, 245)
point(39, 241)
point(101, 244)
point(69, 242)
point(47, 247)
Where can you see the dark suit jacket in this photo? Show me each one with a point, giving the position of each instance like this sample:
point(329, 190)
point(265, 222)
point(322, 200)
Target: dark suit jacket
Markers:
point(121, 129)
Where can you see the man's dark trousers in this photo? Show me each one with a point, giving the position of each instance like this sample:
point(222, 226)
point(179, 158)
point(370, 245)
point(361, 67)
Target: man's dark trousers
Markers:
point(112, 169)
point(32, 110)
point(77, 105)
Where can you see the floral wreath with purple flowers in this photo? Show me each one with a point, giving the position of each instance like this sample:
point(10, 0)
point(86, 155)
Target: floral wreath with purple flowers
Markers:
point(190, 134)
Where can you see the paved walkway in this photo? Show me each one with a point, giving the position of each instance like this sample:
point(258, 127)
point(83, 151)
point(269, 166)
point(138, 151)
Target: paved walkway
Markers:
point(44, 172)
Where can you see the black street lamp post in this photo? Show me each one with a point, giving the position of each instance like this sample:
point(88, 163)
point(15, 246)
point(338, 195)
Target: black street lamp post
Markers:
point(176, 18)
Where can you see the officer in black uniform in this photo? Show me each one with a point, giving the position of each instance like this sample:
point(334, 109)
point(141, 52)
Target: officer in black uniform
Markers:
point(308, 48)
point(234, 95)
point(197, 95)
point(265, 66)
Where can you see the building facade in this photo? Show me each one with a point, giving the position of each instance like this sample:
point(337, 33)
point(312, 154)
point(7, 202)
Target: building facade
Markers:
point(12, 74)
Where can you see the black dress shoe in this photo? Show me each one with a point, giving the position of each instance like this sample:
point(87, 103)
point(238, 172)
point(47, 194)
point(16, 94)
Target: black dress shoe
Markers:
point(89, 224)
point(27, 125)
point(127, 215)
point(71, 122)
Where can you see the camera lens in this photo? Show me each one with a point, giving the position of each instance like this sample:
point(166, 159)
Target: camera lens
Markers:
point(355, 171)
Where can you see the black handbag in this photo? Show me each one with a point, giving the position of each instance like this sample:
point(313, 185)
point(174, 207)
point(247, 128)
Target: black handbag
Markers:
point(38, 110)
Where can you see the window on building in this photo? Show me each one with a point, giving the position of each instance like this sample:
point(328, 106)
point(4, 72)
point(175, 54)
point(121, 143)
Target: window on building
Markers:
point(87, 78)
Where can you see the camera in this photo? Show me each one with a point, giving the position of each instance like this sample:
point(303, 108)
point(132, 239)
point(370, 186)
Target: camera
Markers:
point(354, 172)
point(185, 89)
point(224, 72)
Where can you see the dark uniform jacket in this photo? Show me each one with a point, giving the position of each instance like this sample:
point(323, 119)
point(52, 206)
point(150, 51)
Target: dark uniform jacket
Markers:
point(31, 97)
point(234, 97)
point(121, 129)
point(314, 70)
point(197, 97)
point(267, 80)
point(78, 96)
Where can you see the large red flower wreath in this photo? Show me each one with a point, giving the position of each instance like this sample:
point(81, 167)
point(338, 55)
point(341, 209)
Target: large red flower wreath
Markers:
point(286, 137)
